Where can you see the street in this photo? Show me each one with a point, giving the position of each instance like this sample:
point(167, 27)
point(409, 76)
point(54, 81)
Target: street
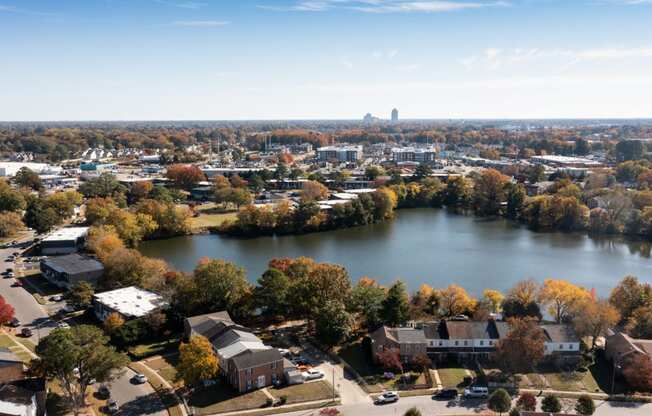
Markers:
point(428, 406)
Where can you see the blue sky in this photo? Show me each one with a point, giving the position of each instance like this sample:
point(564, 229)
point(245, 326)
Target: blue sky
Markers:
point(335, 59)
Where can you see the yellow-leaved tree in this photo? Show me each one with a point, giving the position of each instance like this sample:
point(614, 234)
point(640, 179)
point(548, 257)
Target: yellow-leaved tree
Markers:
point(197, 361)
point(561, 296)
point(454, 301)
point(493, 298)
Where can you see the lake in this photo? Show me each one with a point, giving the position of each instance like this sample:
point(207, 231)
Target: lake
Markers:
point(432, 246)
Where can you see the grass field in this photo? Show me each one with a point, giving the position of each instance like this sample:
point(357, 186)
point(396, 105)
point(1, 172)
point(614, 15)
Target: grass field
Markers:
point(451, 377)
point(307, 392)
point(11, 345)
point(211, 220)
point(221, 398)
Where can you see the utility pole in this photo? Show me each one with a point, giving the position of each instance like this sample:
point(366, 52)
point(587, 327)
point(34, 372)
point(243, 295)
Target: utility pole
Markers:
point(333, 384)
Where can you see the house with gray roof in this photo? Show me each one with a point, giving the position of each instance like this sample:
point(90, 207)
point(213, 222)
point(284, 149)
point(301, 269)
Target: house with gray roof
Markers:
point(464, 340)
point(244, 360)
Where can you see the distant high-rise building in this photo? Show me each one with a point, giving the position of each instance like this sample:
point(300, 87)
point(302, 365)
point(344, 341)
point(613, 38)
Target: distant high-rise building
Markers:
point(394, 115)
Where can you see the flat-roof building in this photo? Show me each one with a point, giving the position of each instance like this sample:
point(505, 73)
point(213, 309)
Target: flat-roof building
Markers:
point(129, 302)
point(413, 154)
point(66, 271)
point(11, 168)
point(64, 241)
point(340, 153)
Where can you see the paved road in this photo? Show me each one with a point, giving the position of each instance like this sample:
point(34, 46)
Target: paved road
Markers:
point(136, 399)
point(427, 406)
point(28, 311)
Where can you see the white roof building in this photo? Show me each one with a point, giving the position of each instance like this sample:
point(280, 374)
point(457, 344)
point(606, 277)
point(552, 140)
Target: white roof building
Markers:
point(130, 302)
point(11, 168)
point(67, 234)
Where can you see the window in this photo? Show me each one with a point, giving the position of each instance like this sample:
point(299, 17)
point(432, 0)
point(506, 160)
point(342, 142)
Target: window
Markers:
point(441, 343)
point(248, 371)
point(457, 343)
point(466, 343)
point(482, 343)
point(561, 346)
point(491, 343)
point(274, 365)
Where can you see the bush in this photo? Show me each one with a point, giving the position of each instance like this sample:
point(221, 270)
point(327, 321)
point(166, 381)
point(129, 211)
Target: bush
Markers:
point(515, 412)
point(551, 404)
point(500, 401)
point(269, 402)
point(585, 405)
point(283, 399)
point(527, 401)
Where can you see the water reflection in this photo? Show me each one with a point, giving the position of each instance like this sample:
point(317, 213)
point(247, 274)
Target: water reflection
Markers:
point(434, 247)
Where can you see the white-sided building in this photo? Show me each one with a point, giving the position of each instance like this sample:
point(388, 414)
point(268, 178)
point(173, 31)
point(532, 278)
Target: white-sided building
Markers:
point(340, 153)
point(9, 169)
point(64, 241)
point(129, 302)
point(414, 154)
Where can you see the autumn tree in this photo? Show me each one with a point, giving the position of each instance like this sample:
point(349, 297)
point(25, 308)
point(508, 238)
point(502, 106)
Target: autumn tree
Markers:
point(395, 307)
point(413, 411)
point(104, 186)
point(139, 190)
point(421, 361)
point(75, 358)
point(6, 312)
point(41, 217)
point(637, 371)
point(639, 323)
point(113, 322)
point(493, 298)
point(561, 296)
point(125, 267)
point(629, 295)
point(523, 347)
point(313, 191)
point(10, 223)
point(219, 285)
point(390, 359)
point(197, 361)
point(489, 192)
point(185, 176)
point(103, 240)
point(455, 301)
point(527, 402)
point(593, 318)
point(11, 199)
point(319, 282)
point(81, 295)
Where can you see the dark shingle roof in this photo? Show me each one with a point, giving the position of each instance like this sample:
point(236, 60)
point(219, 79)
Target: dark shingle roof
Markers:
point(559, 333)
point(409, 335)
point(73, 264)
point(8, 356)
point(249, 359)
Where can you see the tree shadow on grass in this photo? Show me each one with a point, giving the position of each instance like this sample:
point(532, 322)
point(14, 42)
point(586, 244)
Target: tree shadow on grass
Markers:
point(143, 405)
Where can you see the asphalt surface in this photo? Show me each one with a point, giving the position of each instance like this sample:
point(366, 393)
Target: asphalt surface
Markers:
point(135, 399)
point(428, 406)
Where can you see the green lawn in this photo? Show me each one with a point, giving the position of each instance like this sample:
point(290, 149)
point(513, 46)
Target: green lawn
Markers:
point(451, 377)
point(157, 347)
point(222, 398)
point(7, 342)
point(307, 392)
point(211, 220)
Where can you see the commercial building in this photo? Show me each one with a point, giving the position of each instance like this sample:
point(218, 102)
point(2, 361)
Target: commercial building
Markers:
point(8, 169)
point(129, 302)
point(395, 116)
point(66, 271)
point(412, 154)
point(64, 241)
point(340, 153)
point(565, 161)
point(244, 360)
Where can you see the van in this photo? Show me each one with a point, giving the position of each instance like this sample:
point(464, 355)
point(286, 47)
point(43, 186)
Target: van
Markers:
point(476, 392)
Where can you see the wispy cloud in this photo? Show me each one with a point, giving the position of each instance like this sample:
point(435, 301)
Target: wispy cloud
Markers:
point(194, 5)
point(200, 23)
point(385, 6)
point(493, 58)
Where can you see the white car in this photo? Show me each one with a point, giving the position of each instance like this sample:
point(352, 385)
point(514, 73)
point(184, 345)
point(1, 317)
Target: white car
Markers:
point(476, 392)
point(387, 397)
point(63, 325)
point(140, 379)
point(312, 374)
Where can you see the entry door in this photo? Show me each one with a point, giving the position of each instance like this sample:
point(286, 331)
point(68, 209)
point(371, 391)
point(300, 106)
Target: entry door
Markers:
point(261, 381)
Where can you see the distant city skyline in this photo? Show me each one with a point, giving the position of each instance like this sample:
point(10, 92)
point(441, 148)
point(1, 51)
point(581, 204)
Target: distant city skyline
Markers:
point(324, 59)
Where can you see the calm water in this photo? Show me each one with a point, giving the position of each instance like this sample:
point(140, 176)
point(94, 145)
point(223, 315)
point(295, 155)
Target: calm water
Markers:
point(431, 246)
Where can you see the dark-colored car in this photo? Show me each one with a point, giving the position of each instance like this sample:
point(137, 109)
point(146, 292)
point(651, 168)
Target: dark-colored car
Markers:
point(446, 394)
point(17, 283)
point(26, 332)
point(14, 323)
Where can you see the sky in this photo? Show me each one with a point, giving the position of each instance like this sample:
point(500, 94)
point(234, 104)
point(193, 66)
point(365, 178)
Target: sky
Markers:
point(324, 59)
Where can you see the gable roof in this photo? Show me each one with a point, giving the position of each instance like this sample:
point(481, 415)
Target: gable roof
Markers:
point(6, 355)
point(623, 345)
point(249, 359)
point(559, 333)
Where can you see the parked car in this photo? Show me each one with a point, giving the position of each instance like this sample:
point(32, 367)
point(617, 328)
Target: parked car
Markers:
point(56, 298)
point(10, 270)
point(10, 274)
point(14, 323)
point(17, 283)
point(387, 397)
point(476, 392)
point(26, 332)
point(312, 374)
point(68, 309)
point(139, 379)
point(104, 391)
point(63, 325)
point(446, 394)
point(112, 406)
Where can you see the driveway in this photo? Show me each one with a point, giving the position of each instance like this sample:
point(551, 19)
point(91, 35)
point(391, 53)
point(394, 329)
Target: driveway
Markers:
point(136, 399)
point(350, 392)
